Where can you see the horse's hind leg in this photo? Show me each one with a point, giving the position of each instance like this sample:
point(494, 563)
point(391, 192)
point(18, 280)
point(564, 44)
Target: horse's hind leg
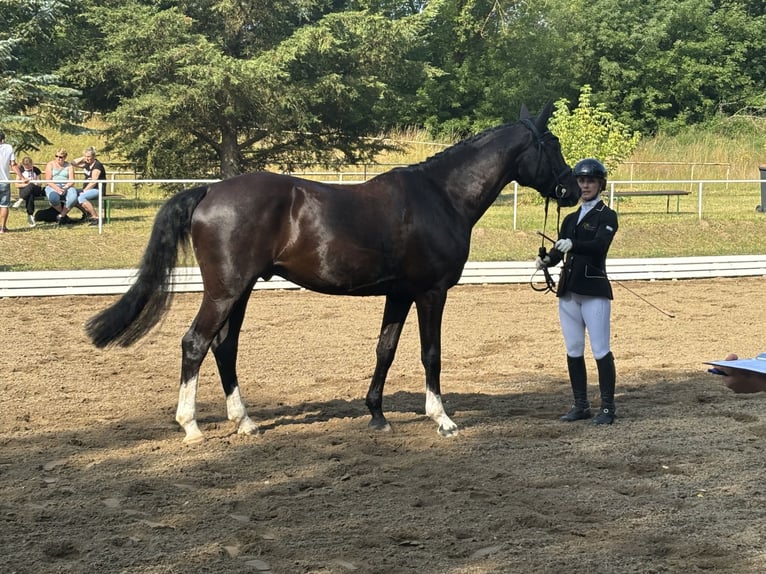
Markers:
point(194, 346)
point(393, 321)
point(225, 347)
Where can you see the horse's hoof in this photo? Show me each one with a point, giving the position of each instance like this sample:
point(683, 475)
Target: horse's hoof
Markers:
point(247, 426)
point(194, 439)
point(448, 432)
point(193, 434)
point(380, 427)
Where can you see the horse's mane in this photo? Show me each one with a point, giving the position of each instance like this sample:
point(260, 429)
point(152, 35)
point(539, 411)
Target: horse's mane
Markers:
point(449, 152)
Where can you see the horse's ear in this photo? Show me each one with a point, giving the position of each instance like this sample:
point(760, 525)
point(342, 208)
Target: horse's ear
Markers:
point(524, 113)
point(545, 115)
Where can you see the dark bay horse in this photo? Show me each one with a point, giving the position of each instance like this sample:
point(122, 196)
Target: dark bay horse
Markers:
point(404, 234)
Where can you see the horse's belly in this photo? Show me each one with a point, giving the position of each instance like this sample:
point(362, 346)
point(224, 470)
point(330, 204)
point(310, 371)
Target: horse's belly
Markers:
point(350, 269)
point(333, 284)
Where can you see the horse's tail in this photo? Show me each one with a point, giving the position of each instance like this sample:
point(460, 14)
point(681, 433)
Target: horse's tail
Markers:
point(148, 299)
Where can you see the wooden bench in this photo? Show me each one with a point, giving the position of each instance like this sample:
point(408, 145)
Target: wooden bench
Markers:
point(652, 192)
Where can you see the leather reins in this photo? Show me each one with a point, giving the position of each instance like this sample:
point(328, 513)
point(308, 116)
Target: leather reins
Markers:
point(550, 284)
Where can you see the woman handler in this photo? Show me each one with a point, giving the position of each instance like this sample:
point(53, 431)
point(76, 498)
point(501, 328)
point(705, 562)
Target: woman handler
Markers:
point(584, 291)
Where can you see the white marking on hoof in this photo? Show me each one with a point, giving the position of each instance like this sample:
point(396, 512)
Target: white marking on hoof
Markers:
point(435, 410)
point(236, 411)
point(185, 413)
point(193, 434)
point(247, 426)
point(448, 432)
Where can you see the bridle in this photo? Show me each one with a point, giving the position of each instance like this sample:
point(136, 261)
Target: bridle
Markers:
point(560, 193)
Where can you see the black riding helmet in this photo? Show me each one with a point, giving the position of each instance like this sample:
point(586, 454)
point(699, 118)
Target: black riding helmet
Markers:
point(590, 167)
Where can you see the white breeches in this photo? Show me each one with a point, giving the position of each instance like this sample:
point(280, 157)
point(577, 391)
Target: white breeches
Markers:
point(580, 312)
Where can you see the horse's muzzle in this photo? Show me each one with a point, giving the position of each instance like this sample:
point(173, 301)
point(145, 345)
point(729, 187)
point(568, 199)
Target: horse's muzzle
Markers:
point(566, 197)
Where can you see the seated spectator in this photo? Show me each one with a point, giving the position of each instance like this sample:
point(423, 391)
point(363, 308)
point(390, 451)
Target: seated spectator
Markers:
point(61, 192)
point(742, 375)
point(95, 178)
point(29, 188)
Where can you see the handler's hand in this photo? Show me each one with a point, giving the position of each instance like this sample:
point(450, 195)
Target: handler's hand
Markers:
point(563, 245)
point(742, 381)
point(542, 262)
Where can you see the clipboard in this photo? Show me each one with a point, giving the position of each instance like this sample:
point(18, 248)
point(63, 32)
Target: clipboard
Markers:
point(754, 365)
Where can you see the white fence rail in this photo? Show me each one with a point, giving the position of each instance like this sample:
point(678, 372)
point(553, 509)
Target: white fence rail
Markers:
point(356, 177)
point(188, 279)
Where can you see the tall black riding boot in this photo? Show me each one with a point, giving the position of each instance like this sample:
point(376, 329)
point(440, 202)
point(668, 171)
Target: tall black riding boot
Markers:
point(578, 376)
point(606, 382)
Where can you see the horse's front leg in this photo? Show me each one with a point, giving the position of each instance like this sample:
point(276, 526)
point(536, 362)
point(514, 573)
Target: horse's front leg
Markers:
point(430, 307)
point(225, 347)
point(394, 315)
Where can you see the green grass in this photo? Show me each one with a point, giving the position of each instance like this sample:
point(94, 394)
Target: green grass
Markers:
point(730, 224)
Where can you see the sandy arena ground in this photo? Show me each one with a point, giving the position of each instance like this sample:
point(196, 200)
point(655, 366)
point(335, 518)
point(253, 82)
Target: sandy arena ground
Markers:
point(95, 477)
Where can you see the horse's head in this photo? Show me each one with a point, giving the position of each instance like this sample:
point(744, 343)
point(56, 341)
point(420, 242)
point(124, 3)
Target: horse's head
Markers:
point(542, 165)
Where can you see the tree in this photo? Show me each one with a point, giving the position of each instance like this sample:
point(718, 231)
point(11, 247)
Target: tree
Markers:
point(490, 57)
point(591, 131)
point(243, 87)
point(216, 87)
point(31, 97)
point(662, 62)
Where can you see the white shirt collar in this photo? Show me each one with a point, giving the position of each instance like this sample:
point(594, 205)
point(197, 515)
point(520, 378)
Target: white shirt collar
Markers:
point(586, 206)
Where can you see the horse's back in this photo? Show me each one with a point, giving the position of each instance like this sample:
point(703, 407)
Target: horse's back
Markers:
point(364, 239)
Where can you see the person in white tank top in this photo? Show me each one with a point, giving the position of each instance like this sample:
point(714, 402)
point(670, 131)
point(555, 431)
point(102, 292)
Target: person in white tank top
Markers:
point(7, 164)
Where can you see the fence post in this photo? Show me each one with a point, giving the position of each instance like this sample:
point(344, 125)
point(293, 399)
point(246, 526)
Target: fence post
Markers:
point(515, 201)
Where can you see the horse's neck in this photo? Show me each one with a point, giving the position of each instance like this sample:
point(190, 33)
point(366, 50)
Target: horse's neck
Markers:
point(475, 175)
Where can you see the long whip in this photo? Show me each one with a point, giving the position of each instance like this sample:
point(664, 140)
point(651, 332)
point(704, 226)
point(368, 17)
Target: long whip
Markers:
point(621, 284)
point(629, 290)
